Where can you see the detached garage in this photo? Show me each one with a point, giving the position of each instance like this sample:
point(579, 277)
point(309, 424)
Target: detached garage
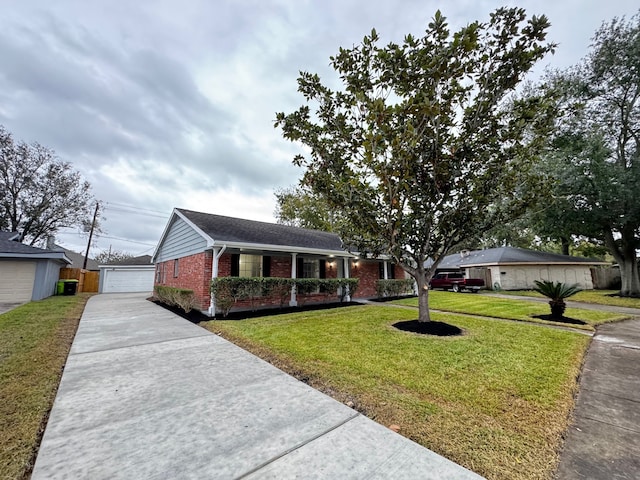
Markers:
point(27, 273)
point(133, 275)
point(508, 268)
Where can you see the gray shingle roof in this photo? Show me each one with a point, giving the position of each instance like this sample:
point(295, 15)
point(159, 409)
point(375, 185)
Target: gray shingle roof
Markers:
point(8, 235)
point(77, 259)
point(9, 248)
point(507, 255)
point(238, 230)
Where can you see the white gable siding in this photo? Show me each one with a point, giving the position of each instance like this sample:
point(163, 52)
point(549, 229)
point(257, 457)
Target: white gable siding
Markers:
point(181, 240)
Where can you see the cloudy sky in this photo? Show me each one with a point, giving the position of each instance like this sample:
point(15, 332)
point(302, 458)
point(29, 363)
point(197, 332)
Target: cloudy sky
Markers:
point(171, 103)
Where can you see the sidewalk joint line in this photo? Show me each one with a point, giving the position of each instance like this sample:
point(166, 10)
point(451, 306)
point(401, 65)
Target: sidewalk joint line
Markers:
point(140, 344)
point(606, 393)
point(298, 446)
point(610, 424)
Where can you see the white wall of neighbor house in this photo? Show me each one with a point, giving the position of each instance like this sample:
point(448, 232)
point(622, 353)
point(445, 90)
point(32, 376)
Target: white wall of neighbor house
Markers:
point(523, 277)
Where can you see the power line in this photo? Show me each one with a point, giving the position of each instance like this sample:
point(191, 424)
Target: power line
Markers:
point(121, 210)
point(136, 208)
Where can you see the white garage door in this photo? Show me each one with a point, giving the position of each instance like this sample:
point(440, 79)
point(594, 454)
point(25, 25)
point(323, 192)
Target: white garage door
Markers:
point(128, 280)
point(16, 281)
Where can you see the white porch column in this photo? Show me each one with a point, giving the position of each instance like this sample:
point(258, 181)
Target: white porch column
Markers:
point(386, 271)
point(217, 253)
point(345, 268)
point(294, 266)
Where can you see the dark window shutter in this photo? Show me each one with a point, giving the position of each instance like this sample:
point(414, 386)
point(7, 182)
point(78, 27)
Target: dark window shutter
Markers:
point(391, 270)
point(323, 268)
point(266, 266)
point(235, 265)
point(300, 268)
point(381, 270)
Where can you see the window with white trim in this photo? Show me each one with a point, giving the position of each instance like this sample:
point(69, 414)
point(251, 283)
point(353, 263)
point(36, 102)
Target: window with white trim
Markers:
point(250, 265)
point(310, 268)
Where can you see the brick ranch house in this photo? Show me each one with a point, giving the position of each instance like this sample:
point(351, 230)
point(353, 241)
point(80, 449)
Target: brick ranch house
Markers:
point(196, 247)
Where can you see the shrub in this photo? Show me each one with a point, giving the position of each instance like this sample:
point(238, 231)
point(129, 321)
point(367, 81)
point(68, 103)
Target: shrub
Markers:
point(394, 288)
point(176, 297)
point(227, 291)
point(557, 292)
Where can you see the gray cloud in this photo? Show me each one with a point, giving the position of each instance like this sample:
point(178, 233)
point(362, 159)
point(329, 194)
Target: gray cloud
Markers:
point(163, 104)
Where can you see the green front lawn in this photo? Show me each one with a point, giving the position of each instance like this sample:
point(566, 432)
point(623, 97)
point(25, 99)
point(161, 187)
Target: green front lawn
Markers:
point(34, 342)
point(495, 400)
point(489, 306)
point(600, 297)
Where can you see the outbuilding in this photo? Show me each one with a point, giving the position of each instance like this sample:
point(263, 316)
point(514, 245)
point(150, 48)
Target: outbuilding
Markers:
point(131, 275)
point(509, 268)
point(27, 273)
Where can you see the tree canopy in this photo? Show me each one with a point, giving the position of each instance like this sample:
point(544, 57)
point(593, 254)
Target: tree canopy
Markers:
point(424, 146)
point(595, 152)
point(301, 207)
point(39, 193)
point(106, 257)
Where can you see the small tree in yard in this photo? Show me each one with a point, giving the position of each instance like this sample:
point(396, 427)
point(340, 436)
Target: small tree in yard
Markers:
point(556, 292)
point(423, 141)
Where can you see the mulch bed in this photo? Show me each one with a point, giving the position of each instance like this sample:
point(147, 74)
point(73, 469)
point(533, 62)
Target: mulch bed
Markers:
point(549, 318)
point(440, 329)
point(196, 316)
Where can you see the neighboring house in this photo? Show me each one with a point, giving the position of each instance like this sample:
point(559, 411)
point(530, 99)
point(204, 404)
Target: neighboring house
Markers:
point(131, 275)
point(77, 259)
point(196, 247)
point(509, 268)
point(27, 273)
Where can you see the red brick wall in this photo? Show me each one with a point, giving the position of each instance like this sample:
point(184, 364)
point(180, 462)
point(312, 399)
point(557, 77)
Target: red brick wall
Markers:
point(281, 267)
point(194, 273)
point(368, 271)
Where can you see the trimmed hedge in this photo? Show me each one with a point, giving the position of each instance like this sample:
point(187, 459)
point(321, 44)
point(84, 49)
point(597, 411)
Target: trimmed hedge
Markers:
point(229, 290)
point(394, 288)
point(176, 297)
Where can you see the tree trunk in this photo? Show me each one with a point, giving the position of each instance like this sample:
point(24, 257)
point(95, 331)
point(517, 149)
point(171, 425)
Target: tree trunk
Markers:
point(629, 276)
point(423, 298)
point(625, 254)
point(565, 245)
point(558, 308)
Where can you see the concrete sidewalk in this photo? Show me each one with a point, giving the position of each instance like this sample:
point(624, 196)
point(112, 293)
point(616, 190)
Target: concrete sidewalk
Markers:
point(632, 312)
point(146, 394)
point(603, 441)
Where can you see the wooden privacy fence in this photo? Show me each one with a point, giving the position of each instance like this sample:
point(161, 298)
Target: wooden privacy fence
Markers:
point(605, 278)
point(87, 281)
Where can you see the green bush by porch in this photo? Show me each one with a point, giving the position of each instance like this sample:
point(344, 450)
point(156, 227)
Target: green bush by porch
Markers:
point(228, 291)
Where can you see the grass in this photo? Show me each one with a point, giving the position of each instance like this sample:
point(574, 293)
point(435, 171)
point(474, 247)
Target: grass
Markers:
point(34, 343)
point(495, 400)
point(489, 306)
point(600, 297)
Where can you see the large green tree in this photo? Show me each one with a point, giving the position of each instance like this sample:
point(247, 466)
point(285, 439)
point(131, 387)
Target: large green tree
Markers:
point(422, 141)
point(39, 193)
point(299, 206)
point(595, 155)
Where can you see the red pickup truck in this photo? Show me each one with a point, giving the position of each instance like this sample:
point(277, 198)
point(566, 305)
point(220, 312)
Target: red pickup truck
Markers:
point(456, 282)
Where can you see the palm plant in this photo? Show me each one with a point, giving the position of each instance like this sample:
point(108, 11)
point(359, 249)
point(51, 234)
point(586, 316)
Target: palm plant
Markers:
point(557, 292)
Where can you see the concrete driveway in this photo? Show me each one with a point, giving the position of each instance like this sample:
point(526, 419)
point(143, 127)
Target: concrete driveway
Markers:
point(146, 394)
point(6, 306)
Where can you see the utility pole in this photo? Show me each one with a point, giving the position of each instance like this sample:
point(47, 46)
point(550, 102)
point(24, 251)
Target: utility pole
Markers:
point(93, 224)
